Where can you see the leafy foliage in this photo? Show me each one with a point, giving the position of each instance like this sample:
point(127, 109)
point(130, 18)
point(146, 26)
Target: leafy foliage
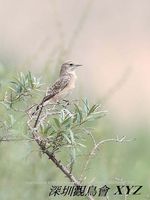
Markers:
point(21, 87)
point(25, 83)
point(60, 125)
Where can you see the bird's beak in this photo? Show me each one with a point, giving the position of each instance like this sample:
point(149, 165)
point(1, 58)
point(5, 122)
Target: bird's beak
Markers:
point(78, 65)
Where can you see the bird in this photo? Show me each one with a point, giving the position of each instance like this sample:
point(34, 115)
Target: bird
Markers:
point(63, 85)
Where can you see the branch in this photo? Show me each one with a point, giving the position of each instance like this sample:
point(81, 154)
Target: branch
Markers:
point(42, 144)
point(58, 163)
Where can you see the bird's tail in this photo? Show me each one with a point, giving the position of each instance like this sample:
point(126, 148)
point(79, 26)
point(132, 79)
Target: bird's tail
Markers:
point(45, 99)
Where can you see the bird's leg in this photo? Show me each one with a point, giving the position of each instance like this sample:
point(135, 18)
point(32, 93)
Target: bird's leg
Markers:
point(67, 102)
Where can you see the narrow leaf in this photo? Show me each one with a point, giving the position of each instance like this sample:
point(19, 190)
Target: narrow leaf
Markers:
point(57, 122)
point(79, 112)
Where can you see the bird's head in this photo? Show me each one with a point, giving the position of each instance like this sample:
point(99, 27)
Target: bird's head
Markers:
point(68, 67)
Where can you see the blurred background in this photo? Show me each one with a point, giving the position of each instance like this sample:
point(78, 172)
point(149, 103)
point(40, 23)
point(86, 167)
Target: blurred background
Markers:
point(111, 39)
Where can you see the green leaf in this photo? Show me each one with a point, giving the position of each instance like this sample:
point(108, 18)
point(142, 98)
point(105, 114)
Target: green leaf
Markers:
point(79, 112)
point(75, 118)
point(67, 138)
point(42, 129)
point(86, 106)
point(92, 109)
point(13, 82)
point(72, 136)
point(12, 120)
point(29, 77)
point(54, 129)
point(46, 129)
point(20, 84)
point(57, 122)
point(67, 121)
point(62, 115)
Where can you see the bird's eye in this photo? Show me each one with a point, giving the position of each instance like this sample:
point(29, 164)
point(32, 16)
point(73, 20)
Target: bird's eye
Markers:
point(71, 64)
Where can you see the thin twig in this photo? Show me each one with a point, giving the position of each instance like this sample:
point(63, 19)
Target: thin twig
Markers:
point(15, 139)
point(92, 153)
point(89, 133)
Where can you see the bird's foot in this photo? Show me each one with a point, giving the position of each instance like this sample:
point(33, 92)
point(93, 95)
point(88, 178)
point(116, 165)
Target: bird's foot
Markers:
point(67, 102)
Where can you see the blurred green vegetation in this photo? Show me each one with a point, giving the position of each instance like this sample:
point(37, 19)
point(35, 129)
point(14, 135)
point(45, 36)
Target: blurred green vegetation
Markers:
point(26, 174)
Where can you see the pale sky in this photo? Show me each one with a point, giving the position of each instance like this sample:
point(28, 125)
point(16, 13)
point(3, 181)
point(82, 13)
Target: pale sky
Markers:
point(110, 36)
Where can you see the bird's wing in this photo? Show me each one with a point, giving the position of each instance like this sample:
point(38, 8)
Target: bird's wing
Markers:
point(58, 86)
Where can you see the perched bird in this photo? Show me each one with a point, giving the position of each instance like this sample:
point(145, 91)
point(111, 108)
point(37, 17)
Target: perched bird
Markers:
point(63, 86)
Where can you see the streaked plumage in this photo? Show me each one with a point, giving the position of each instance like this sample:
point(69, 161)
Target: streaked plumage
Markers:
point(63, 85)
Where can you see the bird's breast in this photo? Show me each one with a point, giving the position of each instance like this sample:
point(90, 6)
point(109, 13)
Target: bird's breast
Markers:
point(72, 80)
